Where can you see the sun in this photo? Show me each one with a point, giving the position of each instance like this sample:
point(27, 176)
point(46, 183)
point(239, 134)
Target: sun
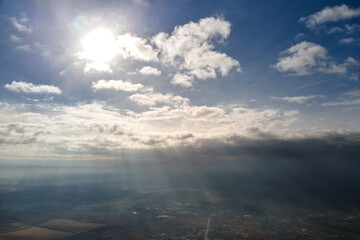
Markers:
point(99, 45)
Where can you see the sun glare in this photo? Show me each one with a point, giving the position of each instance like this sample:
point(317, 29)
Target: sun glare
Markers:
point(99, 45)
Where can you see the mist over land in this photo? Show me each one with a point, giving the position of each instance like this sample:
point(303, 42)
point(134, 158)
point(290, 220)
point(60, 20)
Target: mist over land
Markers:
point(273, 189)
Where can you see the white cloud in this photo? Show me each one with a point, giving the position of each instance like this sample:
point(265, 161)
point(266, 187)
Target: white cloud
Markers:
point(335, 30)
point(183, 80)
point(97, 67)
point(354, 93)
point(117, 85)
point(130, 46)
point(15, 39)
point(354, 77)
point(351, 62)
point(351, 29)
point(199, 112)
point(348, 99)
point(147, 70)
point(307, 58)
point(24, 47)
point(141, 2)
point(21, 24)
point(151, 99)
point(329, 14)
point(297, 99)
point(299, 36)
point(342, 103)
point(346, 40)
point(189, 47)
point(89, 130)
point(26, 87)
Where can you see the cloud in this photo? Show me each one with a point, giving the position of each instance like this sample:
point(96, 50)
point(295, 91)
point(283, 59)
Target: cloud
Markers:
point(350, 98)
point(116, 85)
point(190, 47)
point(299, 36)
point(24, 47)
point(346, 40)
point(342, 103)
point(97, 67)
point(26, 87)
point(141, 2)
point(355, 93)
point(329, 14)
point(349, 29)
point(335, 30)
point(130, 46)
point(183, 80)
point(199, 112)
point(297, 99)
point(15, 39)
point(20, 24)
point(151, 99)
point(306, 58)
point(85, 129)
point(147, 70)
point(354, 77)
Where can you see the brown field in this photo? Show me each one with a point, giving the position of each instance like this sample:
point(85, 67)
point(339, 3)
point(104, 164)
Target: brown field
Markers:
point(70, 225)
point(34, 233)
point(11, 227)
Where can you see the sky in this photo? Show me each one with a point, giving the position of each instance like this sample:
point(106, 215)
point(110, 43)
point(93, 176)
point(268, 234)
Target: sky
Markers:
point(101, 79)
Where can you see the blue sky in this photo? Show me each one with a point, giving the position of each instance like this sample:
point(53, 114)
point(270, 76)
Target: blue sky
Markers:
point(96, 78)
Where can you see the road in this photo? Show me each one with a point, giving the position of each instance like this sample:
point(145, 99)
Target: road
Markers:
point(207, 228)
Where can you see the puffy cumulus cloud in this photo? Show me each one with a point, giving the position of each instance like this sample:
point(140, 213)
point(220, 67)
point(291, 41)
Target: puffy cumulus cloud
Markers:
point(130, 46)
point(151, 98)
point(183, 80)
point(26, 87)
point(329, 14)
point(97, 129)
point(147, 70)
point(307, 58)
point(21, 24)
point(298, 99)
point(116, 85)
point(190, 47)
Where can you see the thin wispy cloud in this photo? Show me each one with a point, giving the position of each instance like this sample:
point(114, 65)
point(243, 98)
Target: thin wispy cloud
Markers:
point(298, 99)
point(330, 14)
point(21, 24)
point(116, 85)
point(26, 87)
